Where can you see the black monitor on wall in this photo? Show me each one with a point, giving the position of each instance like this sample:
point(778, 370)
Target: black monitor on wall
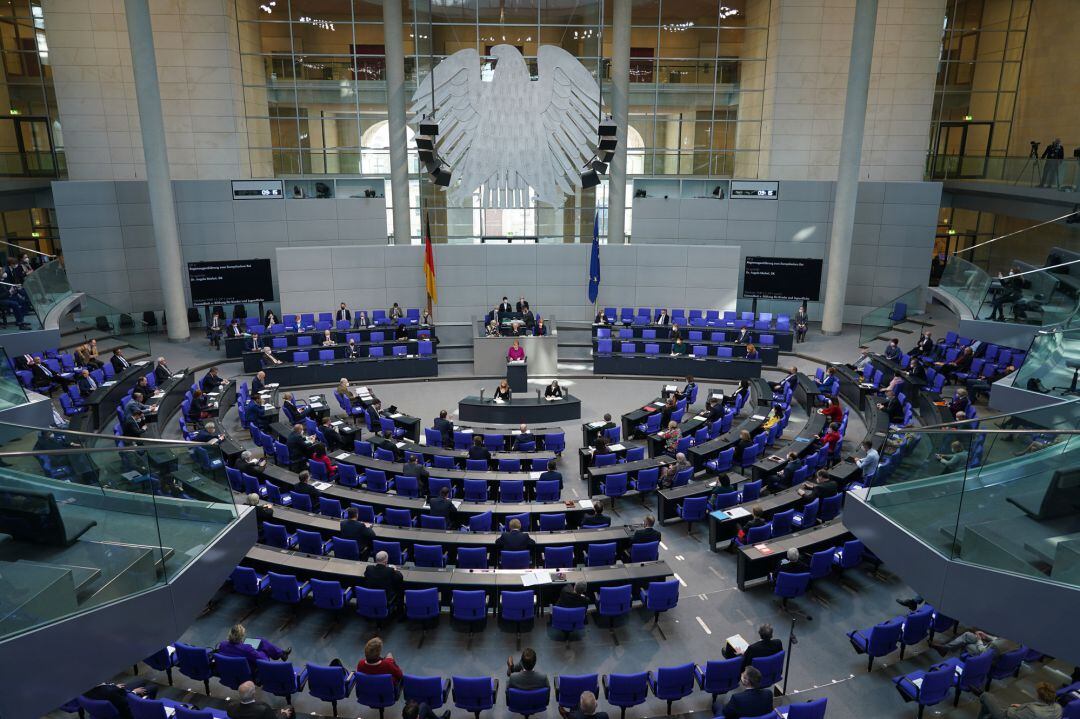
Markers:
point(782, 278)
point(230, 282)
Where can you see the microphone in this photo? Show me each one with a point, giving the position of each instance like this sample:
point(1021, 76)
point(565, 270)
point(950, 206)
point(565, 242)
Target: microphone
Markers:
point(481, 394)
point(538, 395)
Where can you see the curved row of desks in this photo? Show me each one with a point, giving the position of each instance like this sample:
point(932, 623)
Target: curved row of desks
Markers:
point(236, 346)
point(681, 366)
point(328, 372)
point(784, 338)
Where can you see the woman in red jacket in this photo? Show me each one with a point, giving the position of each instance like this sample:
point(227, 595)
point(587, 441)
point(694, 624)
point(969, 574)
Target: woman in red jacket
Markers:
point(375, 663)
point(831, 440)
point(832, 410)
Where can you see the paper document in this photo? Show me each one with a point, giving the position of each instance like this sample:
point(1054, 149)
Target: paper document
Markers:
point(595, 425)
point(670, 388)
point(737, 643)
point(720, 515)
point(321, 485)
point(341, 455)
point(396, 415)
point(758, 417)
point(456, 503)
point(585, 503)
point(738, 513)
point(537, 576)
point(535, 475)
point(178, 375)
point(616, 447)
point(498, 401)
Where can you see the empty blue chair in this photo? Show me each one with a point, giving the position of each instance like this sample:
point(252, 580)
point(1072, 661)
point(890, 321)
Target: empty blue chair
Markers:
point(244, 580)
point(329, 594)
point(567, 620)
point(719, 677)
point(781, 522)
point(371, 604)
point(916, 627)
point(558, 557)
point(790, 585)
point(771, 668)
point(480, 522)
point(808, 517)
point(280, 678)
point(394, 550)
point(926, 688)
point(140, 708)
point(605, 460)
point(645, 551)
point(429, 555)
point(517, 607)
point(509, 465)
point(723, 462)
point(476, 465)
point(1007, 664)
point(97, 708)
point(511, 491)
point(973, 672)
point(514, 559)
point(163, 661)
point(849, 555)
point(406, 485)
point(428, 521)
point(432, 691)
point(309, 542)
point(600, 554)
point(331, 684)
point(396, 517)
point(183, 712)
point(672, 683)
point(547, 490)
point(476, 490)
point(468, 605)
point(612, 602)
point(879, 640)
point(570, 687)
point(814, 709)
point(376, 691)
point(194, 663)
point(232, 671)
point(692, 509)
point(830, 507)
point(659, 597)
point(441, 462)
point(647, 480)
point(287, 589)
point(614, 486)
point(474, 694)
point(422, 605)
point(626, 690)
point(298, 501)
point(552, 521)
point(472, 558)
point(330, 507)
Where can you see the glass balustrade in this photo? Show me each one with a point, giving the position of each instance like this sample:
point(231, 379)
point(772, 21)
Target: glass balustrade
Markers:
point(1037, 297)
point(94, 520)
point(11, 392)
point(881, 319)
point(1020, 171)
point(1002, 492)
point(1053, 360)
point(46, 287)
point(965, 282)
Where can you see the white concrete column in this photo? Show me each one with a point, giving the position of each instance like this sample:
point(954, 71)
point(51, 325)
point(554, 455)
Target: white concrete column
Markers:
point(847, 181)
point(395, 115)
point(158, 180)
point(620, 112)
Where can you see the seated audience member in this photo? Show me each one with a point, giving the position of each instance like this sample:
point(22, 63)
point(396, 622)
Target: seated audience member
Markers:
point(87, 384)
point(360, 321)
point(827, 382)
point(868, 463)
point(891, 406)
point(119, 361)
point(671, 437)
point(679, 348)
point(294, 411)
point(574, 595)
point(916, 369)
point(973, 643)
point(757, 519)
point(540, 329)
point(793, 562)
point(234, 329)
point(522, 674)
point(752, 701)
point(790, 380)
point(775, 415)
point(258, 382)
point(961, 364)
point(208, 433)
point(752, 353)
point(395, 313)
point(981, 385)
point(595, 519)
point(960, 401)
point(553, 389)
point(478, 450)
point(831, 440)
point(521, 305)
point(267, 359)
point(647, 533)
point(264, 512)
point(200, 405)
point(297, 444)
point(117, 695)
point(743, 337)
point(524, 436)
point(662, 318)
point(832, 410)
point(714, 408)
point(513, 539)
point(328, 339)
point(924, 346)
point(675, 333)
point(333, 438)
point(236, 646)
point(401, 333)
point(492, 329)
point(744, 441)
point(820, 487)
point(303, 486)
point(687, 389)
point(784, 478)
point(381, 575)
point(441, 506)
point(551, 474)
point(600, 318)
point(360, 532)
point(270, 319)
point(765, 646)
point(743, 390)
point(413, 468)
point(318, 453)
point(162, 373)
point(586, 709)
point(445, 428)
point(247, 463)
point(1045, 706)
point(212, 382)
point(248, 708)
point(892, 350)
point(954, 460)
point(375, 663)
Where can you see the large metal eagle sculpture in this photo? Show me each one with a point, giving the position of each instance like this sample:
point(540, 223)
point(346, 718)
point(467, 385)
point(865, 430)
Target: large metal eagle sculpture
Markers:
point(512, 132)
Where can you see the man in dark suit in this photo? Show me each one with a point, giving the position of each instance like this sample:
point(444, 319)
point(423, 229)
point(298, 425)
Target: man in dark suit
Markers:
point(743, 337)
point(765, 646)
point(304, 486)
point(441, 506)
point(343, 313)
point(821, 488)
point(353, 528)
point(255, 343)
point(374, 413)
point(248, 708)
point(790, 380)
point(211, 382)
point(662, 318)
point(42, 374)
point(132, 426)
point(297, 444)
point(332, 436)
point(924, 346)
point(793, 563)
point(522, 305)
point(293, 411)
point(524, 437)
point(87, 384)
point(523, 675)
point(551, 473)
point(514, 540)
point(505, 306)
point(445, 428)
point(478, 450)
point(118, 361)
point(256, 414)
point(647, 533)
point(234, 329)
point(208, 433)
point(751, 701)
point(715, 406)
point(892, 407)
point(116, 694)
point(415, 469)
point(162, 372)
point(258, 382)
point(382, 576)
point(574, 596)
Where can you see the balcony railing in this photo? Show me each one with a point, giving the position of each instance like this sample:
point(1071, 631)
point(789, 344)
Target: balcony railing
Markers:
point(1020, 171)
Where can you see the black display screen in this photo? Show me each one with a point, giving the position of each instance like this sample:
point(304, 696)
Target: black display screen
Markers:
point(230, 281)
point(782, 278)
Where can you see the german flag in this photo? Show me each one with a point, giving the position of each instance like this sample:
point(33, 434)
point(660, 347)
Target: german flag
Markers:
point(429, 266)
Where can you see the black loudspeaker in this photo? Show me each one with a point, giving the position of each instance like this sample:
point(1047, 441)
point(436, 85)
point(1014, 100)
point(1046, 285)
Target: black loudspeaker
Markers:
point(427, 157)
point(429, 127)
point(441, 176)
point(589, 178)
point(607, 128)
point(425, 142)
point(608, 144)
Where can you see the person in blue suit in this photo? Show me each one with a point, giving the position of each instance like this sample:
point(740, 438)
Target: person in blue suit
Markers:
point(752, 701)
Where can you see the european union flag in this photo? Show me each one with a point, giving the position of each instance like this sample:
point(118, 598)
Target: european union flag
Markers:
point(594, 263)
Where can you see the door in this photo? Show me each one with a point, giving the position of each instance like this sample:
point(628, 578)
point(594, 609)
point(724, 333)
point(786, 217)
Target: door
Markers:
point(961, 150)
point(34, 139)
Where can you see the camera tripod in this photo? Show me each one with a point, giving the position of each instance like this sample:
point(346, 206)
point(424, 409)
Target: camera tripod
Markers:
point(1071, 389)
point(1033, 163)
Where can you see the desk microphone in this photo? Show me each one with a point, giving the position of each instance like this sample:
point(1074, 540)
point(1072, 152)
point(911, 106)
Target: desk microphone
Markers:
point(481, 394)
point(537, 395)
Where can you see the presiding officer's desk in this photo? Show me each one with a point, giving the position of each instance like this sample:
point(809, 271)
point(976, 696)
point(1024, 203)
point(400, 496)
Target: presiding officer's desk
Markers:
point(760, 560)
point(452, 540)
point(351, 573)
point(285, 480)
point(489, 353)
point(328, 372)
point(724, 524)
point(711, 367)
point(528, 409)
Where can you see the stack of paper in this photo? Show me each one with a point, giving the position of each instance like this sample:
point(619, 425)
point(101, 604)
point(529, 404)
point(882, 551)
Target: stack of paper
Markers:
point(536, 576)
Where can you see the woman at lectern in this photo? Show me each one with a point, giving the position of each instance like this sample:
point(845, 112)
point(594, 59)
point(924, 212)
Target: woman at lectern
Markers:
point(502, 392)
point(553, 389)
point(516, 353)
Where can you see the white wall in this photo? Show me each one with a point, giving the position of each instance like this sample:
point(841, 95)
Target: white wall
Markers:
point(473, 278)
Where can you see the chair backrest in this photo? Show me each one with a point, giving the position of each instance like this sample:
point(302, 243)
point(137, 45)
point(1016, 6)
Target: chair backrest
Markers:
point(552, 521)
point(917, 625)
point(627, 689)
point(600, 554)
point(771, 667)
point(480, 522)
point(527, 701)
point(814, 709)
point(327, 683)
point(370, 603)
point(393, 549)
point(547, 491)
point(936, 684)
point(429, 555)
point(677, 681)
point(472, 558)
point(613, 601)
point(884, 637)
point(98, 708)
point(514, 559)
point(976, 671)
point(424, 690)
point(645, 551)
point(375, 690)
point(558, 557)
point(663, 596)
point(721, 676)
point(194, 662)
point(232, 671)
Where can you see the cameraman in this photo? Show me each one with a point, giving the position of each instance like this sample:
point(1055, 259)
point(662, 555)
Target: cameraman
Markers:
point(1054, 154)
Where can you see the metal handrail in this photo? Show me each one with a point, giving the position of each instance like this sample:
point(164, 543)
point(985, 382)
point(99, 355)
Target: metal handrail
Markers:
point(151, 440)
point(1017, 232)
point(27, 249)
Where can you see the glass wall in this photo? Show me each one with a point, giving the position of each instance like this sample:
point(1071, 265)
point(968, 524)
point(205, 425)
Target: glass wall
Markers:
point(978, 78)
point(315, 93)
point(31, 141)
